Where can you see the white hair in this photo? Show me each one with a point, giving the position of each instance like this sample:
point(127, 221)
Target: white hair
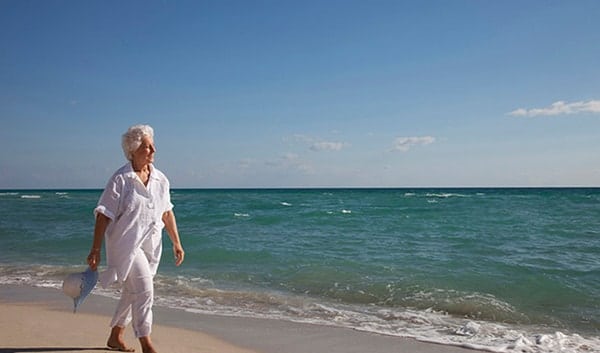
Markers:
point(132, 139)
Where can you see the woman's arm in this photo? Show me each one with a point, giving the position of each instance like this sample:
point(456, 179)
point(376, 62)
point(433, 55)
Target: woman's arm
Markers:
point(171, 227)
point(93, 258)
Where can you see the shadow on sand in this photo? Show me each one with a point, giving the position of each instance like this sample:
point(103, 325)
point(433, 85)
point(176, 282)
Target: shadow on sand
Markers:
point(50, 349)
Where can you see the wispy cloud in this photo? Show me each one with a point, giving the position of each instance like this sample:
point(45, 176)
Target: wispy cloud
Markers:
point(327, 146)
point(559, 108)
point(320, 145)
point(291, 161)
point(404, 144)
point(300, 138)
point(246, 163)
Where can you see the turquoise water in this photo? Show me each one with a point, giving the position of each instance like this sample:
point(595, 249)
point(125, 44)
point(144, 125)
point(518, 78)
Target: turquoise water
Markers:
point(500, 269)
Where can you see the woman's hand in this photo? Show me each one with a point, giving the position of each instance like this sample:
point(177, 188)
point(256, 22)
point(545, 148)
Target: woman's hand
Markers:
point(171, 226)
point(93, 259)
point(179, 254)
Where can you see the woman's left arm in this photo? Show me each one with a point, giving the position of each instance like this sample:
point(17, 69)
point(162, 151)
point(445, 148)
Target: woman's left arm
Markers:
point(168, 219)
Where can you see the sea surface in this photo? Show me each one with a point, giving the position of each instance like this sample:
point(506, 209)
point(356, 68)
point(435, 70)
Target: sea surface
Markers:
point(500, 269)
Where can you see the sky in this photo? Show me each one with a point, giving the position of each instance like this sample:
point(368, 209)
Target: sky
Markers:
point(311, 93)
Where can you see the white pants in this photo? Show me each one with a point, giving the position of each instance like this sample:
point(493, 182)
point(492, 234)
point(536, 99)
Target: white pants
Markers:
point(137, 297)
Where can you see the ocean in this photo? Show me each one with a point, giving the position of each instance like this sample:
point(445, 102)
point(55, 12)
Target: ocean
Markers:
point(499, 269)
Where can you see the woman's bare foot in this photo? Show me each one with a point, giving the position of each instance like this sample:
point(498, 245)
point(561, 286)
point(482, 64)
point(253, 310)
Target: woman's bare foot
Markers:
point(147, 346)
point(115, 341)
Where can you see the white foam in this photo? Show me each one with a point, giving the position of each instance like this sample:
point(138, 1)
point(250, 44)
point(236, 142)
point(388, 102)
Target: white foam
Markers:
point(31, 196)
point(241, 214)
point(469, 329)
point(445, 195)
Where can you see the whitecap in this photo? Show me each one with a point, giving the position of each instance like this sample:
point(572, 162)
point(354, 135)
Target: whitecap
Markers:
point(445, 195)
point(30, 196)
point(241, 214)
point(346, 211)
point(285, 204)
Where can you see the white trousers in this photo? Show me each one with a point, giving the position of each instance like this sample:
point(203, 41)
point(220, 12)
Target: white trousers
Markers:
point(137, 297)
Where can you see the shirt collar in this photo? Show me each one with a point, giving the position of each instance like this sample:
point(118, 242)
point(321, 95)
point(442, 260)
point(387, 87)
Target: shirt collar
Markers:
point(129, 172)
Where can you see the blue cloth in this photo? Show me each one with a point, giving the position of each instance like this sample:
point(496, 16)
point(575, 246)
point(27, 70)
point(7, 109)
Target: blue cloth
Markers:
point(88, 282)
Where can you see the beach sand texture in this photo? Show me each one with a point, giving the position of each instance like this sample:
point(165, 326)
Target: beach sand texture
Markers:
point(41, 320)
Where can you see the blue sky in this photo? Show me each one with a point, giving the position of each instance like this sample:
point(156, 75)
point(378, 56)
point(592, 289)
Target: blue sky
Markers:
point(303, 93)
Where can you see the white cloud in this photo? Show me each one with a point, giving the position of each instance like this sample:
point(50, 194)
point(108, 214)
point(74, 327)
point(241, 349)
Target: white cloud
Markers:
point(319, 145)
point(302, 138)
point(290, 157)
point(327, 146)
point(403, 144)
point(246, 163)
point(559, 108)
point(291, 161)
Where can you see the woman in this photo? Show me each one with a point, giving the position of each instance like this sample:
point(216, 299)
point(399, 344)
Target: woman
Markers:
point(131, 213)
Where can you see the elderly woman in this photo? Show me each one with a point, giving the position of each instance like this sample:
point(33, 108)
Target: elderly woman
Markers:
point(131, 213)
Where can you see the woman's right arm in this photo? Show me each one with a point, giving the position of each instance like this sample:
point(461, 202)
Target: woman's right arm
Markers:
point(93, 258)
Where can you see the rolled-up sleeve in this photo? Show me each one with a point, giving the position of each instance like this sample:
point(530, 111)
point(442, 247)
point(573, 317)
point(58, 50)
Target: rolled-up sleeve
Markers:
point(166, 191)
point(108, 204)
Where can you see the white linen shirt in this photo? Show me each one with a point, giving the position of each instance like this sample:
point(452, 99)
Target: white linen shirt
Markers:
point(136, 222)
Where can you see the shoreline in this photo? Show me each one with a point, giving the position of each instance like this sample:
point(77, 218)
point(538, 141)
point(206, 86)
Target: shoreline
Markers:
point(39, 319)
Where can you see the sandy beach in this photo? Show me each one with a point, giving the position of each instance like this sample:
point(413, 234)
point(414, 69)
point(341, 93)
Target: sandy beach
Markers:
point(41, 320)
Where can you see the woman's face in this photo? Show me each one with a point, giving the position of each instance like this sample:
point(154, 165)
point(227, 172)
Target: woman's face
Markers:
point(145, 153)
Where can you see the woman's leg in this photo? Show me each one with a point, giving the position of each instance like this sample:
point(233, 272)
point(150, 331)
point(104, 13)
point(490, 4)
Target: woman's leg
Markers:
point(122, 315)
point(120, 320)
point(135, 306)
point(141, 285)
point(147, 346)
point(116, 341)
